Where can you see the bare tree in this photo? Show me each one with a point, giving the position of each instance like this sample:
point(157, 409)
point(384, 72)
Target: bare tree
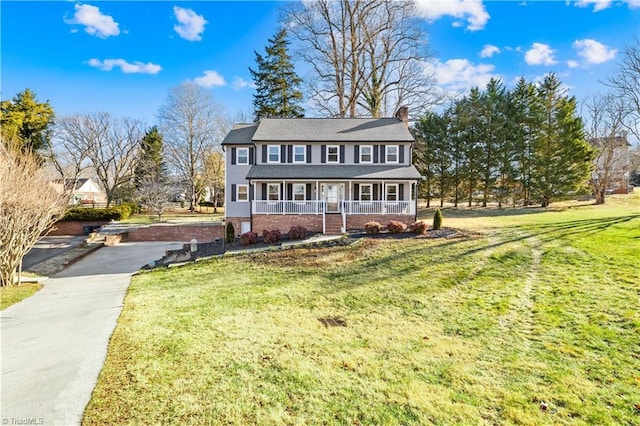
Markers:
point(29, 205)
point(213, 175)
point(110, 144)
point(191, 122)
point(368, 56)
point(153, 192)
point(605, 129)
point(626, 83)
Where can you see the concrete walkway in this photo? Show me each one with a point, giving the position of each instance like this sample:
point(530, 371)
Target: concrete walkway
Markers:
point(54, 343)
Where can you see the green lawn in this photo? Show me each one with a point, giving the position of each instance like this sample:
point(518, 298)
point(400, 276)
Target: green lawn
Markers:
point(533, 320)
point(14, 294)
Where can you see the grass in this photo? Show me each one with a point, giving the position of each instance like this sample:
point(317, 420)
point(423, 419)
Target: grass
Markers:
point(14, 294)
point(178, 215)
point(531, 319)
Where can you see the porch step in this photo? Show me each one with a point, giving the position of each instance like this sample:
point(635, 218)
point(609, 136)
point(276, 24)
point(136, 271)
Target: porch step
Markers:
point(333, 224)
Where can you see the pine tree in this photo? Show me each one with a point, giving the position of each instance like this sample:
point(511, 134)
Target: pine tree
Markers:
point(151, 166)
point(27, 121)
point(563, 159)
point(277, 84)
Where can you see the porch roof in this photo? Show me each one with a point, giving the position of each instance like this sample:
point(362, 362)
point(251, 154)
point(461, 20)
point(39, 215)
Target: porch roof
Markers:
point(330, 171)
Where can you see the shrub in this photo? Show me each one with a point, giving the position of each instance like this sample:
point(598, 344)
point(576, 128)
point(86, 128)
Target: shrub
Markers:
point(419, 227)
point(297, 232)
point(230, 233)
point(437, 220)
point(88, 214)
point(248, 238)
point(373, 228)
point(271, 236)
point(396, 227)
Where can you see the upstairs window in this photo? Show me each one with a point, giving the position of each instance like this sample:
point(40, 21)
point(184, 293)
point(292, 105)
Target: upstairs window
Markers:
point(333, 154)
point(366, 154)
point(299, 154)
point(273, 154)
point(392, 154)
point(242, 156)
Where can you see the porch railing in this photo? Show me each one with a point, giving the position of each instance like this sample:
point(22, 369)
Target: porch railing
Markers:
point(288, 207)
point(348, 207)
point(380, 207)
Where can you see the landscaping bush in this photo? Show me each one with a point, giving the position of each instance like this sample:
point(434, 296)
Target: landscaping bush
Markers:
point(437, 220)
point(271, 236)
point(373, 228)
point(248, 238)
point(297, 232)
point(396, 227)
point(419, 227)
point(230, 233)
point(89, 214)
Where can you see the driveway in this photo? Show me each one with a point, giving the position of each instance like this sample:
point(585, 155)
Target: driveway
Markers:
point(54, 343)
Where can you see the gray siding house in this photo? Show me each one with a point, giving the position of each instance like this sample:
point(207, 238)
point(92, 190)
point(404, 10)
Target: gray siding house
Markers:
point(326, 174)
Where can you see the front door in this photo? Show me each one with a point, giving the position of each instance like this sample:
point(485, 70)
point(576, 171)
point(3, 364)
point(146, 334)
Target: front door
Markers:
point(332, 196)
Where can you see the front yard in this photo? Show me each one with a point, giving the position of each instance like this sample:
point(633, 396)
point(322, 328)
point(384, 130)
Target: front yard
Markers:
point(534, 320)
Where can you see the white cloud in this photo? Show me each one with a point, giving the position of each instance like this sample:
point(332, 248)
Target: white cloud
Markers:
point(489, 50)
point(240, 83)
point(593, 52)
point(126, 67)
point(460, 75)
point(210, 79)
point(598, 5)
point(472, 11)
point(190, 25)
point(540, 54)
point(572, 64)
point(95, 23)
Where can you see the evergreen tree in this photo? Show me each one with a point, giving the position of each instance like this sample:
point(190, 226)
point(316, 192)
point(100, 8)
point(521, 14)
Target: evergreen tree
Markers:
point(563, 159)
point(151, 166)
point(26, 121)
point(277, 84)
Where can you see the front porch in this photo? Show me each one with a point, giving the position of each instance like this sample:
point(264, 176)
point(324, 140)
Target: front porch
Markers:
point(345, 207)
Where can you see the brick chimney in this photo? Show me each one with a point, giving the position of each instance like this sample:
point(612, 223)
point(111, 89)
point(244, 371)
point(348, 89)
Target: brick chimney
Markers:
point(403, 114)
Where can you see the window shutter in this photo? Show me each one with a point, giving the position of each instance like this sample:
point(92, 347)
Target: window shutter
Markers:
point(323, 156)
point(356, 154)
point(290, 153)
point(264, 191)
point(264, 154)
point(289, 191)
point(282, 193)
point(401, 154)
point(401, 192)
point(250, 192)
point(283, 153)
point(383, 154)
point(309, 154)
point(308, 192)
point(375, 153)
point(234, 153)
point(252, 153)
point(356, 192)
point(233, 192)
point(375, 192)
point(341, 154)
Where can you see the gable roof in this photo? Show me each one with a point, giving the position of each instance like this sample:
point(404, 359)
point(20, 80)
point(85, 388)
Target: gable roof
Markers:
point(332, 171)
point(241, 134)
point(332, 130)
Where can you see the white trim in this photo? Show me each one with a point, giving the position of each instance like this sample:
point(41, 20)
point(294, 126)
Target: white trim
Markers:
point(386, 154)
point(337, 147)
point(238, 193)
point(269, 154)
point(238, 156)
point(304, 154)
point(370, 154)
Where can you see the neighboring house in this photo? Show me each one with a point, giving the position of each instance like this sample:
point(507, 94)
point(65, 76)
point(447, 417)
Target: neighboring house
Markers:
point(326, 174)
point(612, 166)
point(84, 191)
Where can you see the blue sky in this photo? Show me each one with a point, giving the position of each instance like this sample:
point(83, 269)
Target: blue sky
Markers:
point(123, 57)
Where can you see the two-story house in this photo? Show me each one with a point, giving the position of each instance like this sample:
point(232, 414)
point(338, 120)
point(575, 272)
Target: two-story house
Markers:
point(329, 175)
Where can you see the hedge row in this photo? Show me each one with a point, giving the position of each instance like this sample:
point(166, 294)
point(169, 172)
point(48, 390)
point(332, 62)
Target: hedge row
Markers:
point(120, 212)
